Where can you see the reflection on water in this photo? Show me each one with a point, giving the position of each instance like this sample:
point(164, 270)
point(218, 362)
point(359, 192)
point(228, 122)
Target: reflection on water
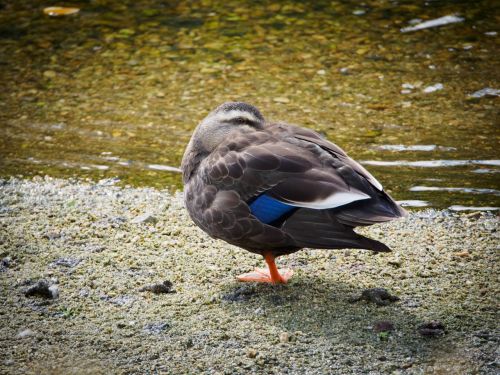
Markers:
point(117, 88)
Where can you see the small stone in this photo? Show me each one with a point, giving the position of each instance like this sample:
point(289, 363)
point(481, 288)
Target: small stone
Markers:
point(394, 262)
point(284, 337)
point(40, 289)
point(281, 100)
point(379, 296)
point(49, 74)
point(474, 215)
point(383, 326)
point(60, 11)
point(66, 262)
point(25, 333)
point(252, 353)
point(156, 328)
point(433, 88)
point(54, 291)
point(486, 92)
point(164, 287)
point(462, 254)
point(5, 263)
point(243, 293)
point(144, 218)
point(431, 329)
point(52, 235)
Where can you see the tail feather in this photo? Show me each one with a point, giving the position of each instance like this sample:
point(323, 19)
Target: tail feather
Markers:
point(379, 209)
point(319, 229)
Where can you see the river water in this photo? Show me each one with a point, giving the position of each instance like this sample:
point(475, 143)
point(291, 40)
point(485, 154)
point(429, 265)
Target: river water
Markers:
point(116, 89)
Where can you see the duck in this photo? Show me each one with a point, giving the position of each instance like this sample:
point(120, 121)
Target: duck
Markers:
point(274, 188)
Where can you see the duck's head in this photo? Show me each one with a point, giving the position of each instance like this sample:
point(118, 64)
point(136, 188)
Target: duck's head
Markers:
point(226, 118)
point(215, 128)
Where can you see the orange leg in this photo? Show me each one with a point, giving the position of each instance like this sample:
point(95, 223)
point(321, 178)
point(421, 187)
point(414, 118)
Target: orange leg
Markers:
point(271, 275)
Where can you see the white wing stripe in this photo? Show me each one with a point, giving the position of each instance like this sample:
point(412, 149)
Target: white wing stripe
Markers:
point(334, 200)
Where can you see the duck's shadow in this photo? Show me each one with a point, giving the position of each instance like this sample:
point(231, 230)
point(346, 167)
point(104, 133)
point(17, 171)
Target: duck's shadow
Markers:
point(323, 310)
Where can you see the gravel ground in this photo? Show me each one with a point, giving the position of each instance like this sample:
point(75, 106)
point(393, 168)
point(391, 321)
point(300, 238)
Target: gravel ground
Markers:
point(132, 286)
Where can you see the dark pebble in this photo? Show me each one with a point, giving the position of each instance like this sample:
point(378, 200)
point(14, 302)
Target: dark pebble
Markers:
point(40, 289)
point(431, 329)
point(66, 262)
point(164, 287)
point(156, 327)
point(383, 326)
point(379, 296)
point(243, 293)
point(5, 263)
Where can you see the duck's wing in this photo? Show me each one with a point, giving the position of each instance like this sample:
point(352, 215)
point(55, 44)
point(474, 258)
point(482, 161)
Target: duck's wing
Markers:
point(294, 172)
point(314, 138)
point(379, 208)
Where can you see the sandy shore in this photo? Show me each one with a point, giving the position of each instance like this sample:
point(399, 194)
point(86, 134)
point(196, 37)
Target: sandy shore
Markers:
point(97, 246)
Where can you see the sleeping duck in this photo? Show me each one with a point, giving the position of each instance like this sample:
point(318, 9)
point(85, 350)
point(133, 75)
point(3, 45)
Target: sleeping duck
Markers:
point(274, 188)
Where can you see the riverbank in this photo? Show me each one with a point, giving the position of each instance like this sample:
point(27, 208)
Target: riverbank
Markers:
point(101, 247)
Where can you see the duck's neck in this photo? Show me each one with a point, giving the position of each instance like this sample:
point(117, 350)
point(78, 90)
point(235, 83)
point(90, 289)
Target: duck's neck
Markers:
point(191, 160)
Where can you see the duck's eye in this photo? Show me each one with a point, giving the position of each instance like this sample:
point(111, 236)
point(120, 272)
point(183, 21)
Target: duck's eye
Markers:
point(243, 121)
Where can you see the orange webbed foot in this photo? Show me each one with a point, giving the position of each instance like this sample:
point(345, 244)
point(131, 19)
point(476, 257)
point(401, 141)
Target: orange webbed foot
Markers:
point(264, 276)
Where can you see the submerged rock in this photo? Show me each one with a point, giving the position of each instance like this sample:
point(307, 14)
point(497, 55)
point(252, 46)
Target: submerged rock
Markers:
point(486, 92)
point(441, 21)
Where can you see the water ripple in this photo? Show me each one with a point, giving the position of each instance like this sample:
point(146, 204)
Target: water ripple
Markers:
point(456, 189)
point(430, 163)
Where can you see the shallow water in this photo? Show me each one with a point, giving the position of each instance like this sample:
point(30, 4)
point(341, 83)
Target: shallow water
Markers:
point(116, 89)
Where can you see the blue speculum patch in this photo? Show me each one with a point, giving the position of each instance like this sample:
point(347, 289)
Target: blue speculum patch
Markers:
point(268, 209)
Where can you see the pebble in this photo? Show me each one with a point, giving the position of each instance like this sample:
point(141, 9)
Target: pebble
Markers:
point(54, 291)
point(156, 327)
point(164, 287)
point(379, 296)
point(42, 289)
point(25, 333)
point(146, 218)
point(433, 88)
point(251, 353)
point(432, 329)
point(383, 326)
point(284, 337)
point(49, 74)
point(281, 100)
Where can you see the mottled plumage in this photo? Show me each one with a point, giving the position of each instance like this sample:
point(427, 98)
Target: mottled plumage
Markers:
point(276, 188)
